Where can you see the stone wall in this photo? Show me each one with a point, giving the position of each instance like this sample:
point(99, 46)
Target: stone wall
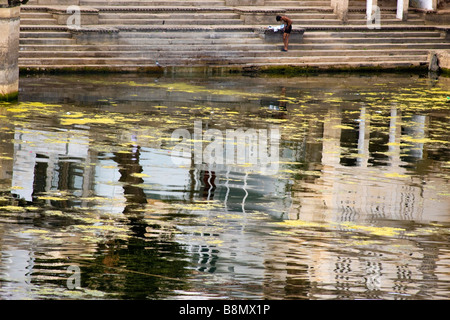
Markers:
point(440, 61)
point(9, 52)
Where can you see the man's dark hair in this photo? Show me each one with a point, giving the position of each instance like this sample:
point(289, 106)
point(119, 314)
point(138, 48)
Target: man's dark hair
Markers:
point(278, 18)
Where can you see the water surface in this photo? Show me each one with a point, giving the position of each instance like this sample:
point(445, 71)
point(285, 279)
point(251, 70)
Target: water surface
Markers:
point(358, 208)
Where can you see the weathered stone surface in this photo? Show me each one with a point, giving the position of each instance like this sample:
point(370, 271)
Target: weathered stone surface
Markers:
point(441, 17)
point(340, 8)
point(188, 35)
point(95, 35)
point(9, 52)
point(62, 14)
point(439, 60)
point(244, 2)
point(270, 36)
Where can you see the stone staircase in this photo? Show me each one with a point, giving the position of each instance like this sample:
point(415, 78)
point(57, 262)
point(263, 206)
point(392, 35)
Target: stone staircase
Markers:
point(131, 35)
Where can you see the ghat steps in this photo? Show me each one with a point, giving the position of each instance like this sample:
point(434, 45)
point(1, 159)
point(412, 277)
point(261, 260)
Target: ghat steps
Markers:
point(208, 33)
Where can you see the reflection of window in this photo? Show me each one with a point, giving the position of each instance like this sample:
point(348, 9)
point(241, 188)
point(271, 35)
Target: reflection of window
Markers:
point(414, 131)
point(349, 143)
point(69, 175)
point(378, 144)
point(40, 174)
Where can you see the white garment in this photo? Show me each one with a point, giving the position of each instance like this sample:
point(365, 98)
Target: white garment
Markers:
point(275, 29)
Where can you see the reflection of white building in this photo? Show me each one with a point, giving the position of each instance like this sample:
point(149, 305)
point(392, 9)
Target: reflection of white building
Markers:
point(38, 149)
point(367, 192)
point(15, 270)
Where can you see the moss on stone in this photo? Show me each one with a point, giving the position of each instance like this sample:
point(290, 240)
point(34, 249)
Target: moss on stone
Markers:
point(296, 70)
point(9, 96)
point(284, 70)
point(445, 72)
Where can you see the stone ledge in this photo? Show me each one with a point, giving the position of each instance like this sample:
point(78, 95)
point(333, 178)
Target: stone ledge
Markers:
point(161, 9)
point(109, 30)
point(159, 28)
point(271, 36)
point(95, 35)
point(88, 15)
point(9, 13)
point(63, 9)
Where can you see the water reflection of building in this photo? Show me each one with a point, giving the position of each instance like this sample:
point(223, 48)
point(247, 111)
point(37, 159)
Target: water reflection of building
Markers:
point(367, 183)
point(39, 168)
point(361, 186)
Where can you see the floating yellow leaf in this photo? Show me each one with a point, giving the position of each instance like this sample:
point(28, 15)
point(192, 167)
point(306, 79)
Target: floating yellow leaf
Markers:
point(395, 175)
point(35, 231)
point(379, 231)
point(139, 175)
point(342, 127)
point(71, 121)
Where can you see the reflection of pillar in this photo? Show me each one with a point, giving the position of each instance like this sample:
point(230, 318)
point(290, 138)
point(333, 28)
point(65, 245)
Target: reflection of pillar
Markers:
point(394, 138)
point(9, 51)
point(363, 139)
point(130, 176)
point(331, 139)
point(6, 154)
point(418, 134)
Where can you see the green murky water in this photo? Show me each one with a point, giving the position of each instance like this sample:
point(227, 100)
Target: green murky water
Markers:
point(96, 203)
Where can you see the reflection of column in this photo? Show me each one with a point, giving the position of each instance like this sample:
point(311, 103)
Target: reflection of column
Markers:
point(418, 133)
point(89, 173)
point(6, 154)
point(331, 153)
point(363, 139)
point(331, 139)
point(394, 138)
point(130, 176)
point(9, 52)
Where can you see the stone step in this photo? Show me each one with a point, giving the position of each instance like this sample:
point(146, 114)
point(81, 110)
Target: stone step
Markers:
point(383, 22)
point(230, 53)
point(130, 45)
point(300, 16)
point(183, 36)
point(230, 65)
point(357, 65)
point(208, 60)
point(45, 41)
point(294, 4)
point(35, 15)
point(178, 22)
point(44, 34)
point(192, 42)
point(370, 46)
point(329, 59)
point(373, 34)
point(169, 16)
point(175, 3)
point(363, 41)
point(38, 21)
